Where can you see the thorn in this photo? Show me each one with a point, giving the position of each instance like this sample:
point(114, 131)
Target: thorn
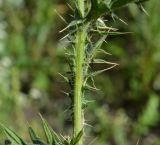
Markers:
point(61, 17)
point(64, 37)
point(93, 82)
point(93, 141)
point(67, 94)
point(121, 20)
point(105, 41)
point(103, 61)
point(138, 141)
point(70, 41)
point(105, 20)
point(70, 6)
point(86, 124)
point(103, 51)
point(101, 71)
point(112, 15)
point(92, 88)
point(72, 16)
point(143, 9)
point(63, 29)
point(65, 78)
point(108, 28)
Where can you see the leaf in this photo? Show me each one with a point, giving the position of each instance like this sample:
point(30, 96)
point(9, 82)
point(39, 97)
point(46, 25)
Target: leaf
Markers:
point(103, 61)
point(47, 131)
point(149, 118)
point(119, 3)
point(76, 139)
point(35, 139)
point(73, 23)
point(51, 136)
point(99, 7)
point(104, 52)
point(96, 46)
point(111, 32)
point(13, 136)
point(100, 24)
point(99, 42)
point(140, 1)
point(88, 87)
point(101, 71)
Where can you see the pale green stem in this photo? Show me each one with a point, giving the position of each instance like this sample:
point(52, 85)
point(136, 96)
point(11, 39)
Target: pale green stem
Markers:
point(81, 7)
point(79, 78)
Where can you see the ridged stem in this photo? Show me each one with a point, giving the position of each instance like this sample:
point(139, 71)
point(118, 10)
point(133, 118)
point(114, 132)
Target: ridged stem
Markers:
point(79, 78)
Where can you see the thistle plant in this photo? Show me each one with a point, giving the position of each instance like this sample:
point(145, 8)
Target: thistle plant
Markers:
point(89, 23)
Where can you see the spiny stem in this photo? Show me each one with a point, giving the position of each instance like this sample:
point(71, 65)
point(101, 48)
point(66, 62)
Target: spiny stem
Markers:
point(79, 78)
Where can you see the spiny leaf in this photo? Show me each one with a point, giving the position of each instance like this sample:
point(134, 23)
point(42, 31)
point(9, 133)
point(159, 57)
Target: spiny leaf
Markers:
point(103, 61)
point(88, 87)
point(35, 139)
point(114, 16)
point(101, 71)
point(96, 46)
point(73, 23)
point(119, 3)
point(13, 136)
point(51, 136)
point(140, 1)
point(47, 131)
point(100, 24)
point(103, 51)
point(110, 32)
point(99, 42)
point(99, 7)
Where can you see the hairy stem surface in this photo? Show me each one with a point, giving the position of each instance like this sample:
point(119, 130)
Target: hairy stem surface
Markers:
point(80, 53)
point(79, 78)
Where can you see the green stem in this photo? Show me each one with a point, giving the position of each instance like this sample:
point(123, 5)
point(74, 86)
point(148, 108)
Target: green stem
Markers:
point(81, 7)
point(79, 78)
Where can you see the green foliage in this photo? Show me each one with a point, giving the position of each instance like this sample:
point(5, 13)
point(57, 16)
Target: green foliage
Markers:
point(135, 88)
point(84, 51)
point(100, 7)
point(13, 136)
point(122, 112)
point(149, 115)
point(26, 51)
point(93, 27)
point(51, 136)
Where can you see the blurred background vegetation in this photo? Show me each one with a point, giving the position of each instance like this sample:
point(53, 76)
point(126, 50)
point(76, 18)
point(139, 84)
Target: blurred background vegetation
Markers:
point(127, 106)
